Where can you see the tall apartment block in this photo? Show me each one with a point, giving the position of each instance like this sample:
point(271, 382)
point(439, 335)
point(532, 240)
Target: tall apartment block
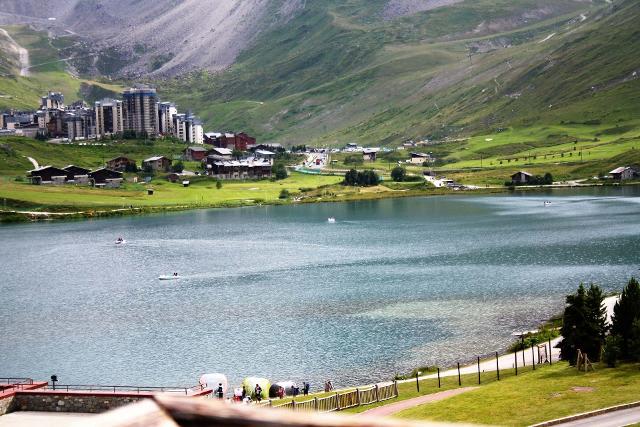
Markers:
point(109, 117)
point(166, 111)
point(140, 110)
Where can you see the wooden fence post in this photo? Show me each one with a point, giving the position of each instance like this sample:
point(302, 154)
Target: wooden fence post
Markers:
point(459, 379)
point(315, 403)
point(395, 387)
point(358, 396)
point(438, 377)
point(497, 366)
point(550, 353)
point(478, 369)
point(293, 405)
point(533, 358)
point(377, 395)
point(338, 400)
point(515, 356)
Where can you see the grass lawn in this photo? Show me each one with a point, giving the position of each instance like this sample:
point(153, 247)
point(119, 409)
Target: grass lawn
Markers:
point(201, 193)
point(551, 392)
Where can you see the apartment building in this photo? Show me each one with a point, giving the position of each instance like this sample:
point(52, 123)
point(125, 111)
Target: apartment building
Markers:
point(109, 117)
point(140, 110)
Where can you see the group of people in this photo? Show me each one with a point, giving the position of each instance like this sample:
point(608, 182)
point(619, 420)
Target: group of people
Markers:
point(328, 386)
point(242, 395)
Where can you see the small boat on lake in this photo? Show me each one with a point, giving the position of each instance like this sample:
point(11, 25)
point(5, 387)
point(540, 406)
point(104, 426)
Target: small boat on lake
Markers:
point(174, 276)
point(120, 241)
point(547, 203)
point(331, 220)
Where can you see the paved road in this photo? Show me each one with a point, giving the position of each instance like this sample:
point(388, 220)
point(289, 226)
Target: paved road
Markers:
point(386, 410)
point(620, 418)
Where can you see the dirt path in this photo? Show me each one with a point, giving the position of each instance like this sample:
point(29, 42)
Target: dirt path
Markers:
point(386, 410)
point(33, 162)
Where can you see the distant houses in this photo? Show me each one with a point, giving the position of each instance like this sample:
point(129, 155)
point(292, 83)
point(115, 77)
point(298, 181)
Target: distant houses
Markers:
point(521, 177)
point(51, 175)
point(623, 173)
point(419, 158)
point(195, 154)
point(157, 164)
point(121, 164)
point(370, 154)
point(238, 169)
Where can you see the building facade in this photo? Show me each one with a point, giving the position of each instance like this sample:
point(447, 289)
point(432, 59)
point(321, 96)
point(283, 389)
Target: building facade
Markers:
point(140, 111)
point(109, 117)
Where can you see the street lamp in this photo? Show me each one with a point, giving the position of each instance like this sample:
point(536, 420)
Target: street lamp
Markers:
point(417, 381)
point(54, 378)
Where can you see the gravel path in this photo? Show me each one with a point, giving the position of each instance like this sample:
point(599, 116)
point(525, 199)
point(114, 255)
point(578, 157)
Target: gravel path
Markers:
point(386, 410)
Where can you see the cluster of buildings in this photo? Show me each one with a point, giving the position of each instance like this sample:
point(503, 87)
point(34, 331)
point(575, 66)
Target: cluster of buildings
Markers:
point(138, 114)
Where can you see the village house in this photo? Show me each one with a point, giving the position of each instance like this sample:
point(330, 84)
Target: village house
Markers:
point(77, 175)
point(238, 169)
point(266, 155)
point(195, 154)
point(419, 158)
point(521, 177)
point(121, 164)
point(220, 153)
point(47, 175)
point(623, 173)
point(104, 177)
point(239, 141)
point(157, 163)
point(370, 154)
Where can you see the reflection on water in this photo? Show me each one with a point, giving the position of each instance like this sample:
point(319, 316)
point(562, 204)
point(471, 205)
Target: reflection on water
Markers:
point(279, 292)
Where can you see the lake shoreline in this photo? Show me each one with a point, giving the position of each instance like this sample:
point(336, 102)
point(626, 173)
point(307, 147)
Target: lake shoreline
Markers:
point(8, 216)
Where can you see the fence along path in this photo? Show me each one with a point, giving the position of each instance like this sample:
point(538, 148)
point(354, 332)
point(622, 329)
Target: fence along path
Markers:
point(341, 400)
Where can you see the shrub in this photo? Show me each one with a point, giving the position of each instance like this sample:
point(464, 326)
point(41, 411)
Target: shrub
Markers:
point(177, 167)
point(279, 171)
point(284, 194)
point(398, 174)
point(365, 178)
point(353, 160)
point(218, 184)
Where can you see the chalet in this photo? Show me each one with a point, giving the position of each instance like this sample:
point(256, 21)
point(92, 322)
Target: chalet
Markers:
point(121, 164)
point(105, 178)
point(266, 155)
point(73, 170)
point(521, 177)
point(419, 158)
point(370, 154)
point(623, 173)
point(47, 175)
point(221, 153)
point(77, 175)
point(238, 169)
point(157, 163)
point(195, 154)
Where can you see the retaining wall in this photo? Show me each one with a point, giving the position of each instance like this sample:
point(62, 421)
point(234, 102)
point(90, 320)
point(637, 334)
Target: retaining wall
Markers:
point(71, 402)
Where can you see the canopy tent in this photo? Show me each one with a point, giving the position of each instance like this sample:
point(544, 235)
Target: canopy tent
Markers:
point(249, 384)
point(288, 386)
point(212, 381)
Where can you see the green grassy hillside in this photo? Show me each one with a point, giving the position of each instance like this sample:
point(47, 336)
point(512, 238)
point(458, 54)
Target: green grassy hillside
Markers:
point(340, 73)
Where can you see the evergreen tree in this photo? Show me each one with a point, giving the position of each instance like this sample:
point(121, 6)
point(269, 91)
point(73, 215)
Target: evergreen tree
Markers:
point(596, 326)
point(625, 312)
point(634, 343)
point(573, 331)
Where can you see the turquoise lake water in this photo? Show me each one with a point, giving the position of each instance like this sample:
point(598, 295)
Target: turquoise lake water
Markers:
point(281, 293)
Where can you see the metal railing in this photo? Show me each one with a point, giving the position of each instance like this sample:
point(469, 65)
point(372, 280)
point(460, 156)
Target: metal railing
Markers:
point(16, 381)
point(125, 388)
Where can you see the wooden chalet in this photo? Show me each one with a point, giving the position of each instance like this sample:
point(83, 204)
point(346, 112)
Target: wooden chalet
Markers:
point(47, 175)
point(120, 164)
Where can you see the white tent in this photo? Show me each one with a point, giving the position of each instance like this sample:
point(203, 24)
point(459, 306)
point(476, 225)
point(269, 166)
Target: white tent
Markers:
point(212, 381)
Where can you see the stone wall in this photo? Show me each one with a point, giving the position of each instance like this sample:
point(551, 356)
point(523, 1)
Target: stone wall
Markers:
point(71, 402)
point(5, 404)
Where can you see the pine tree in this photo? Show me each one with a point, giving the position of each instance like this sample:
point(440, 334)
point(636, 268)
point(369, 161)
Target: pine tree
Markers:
point(625, 312)
point(596, 322)
point(573, 325)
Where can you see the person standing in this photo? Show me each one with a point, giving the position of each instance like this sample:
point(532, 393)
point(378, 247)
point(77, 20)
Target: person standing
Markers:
point(258, 392)
point(220, 391)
